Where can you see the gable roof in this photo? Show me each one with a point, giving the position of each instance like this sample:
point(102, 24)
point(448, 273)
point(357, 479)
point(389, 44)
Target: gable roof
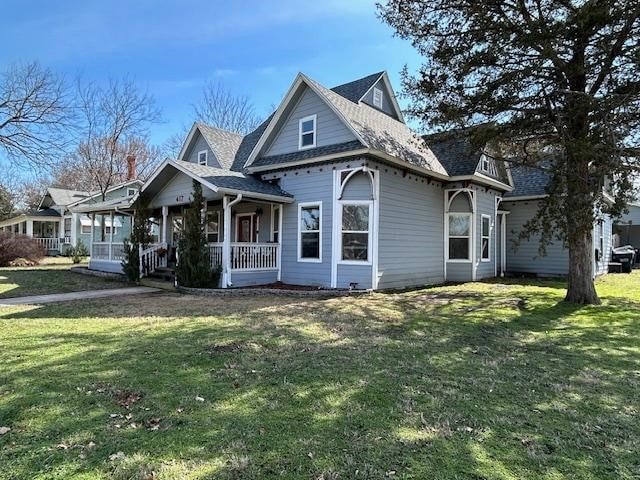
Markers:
point(223, 143)
point(223, 180)
point(356, 89)
point(374, 129)
point(62, 196)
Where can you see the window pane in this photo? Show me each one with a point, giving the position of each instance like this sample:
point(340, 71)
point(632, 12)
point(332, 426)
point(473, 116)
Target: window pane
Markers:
point(310, 217)
point(458, 225)
point(307, 126)
point(212, 223)
point(307, 139)
point(459, 248)
point(212, 237)
point(276, 219)
point(310, 245)
point(485, 227)
point(355, 246)
point(485, 248)
point(355, 217)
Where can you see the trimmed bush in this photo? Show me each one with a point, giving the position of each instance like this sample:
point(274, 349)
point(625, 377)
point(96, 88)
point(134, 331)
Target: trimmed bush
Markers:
point(16, 246)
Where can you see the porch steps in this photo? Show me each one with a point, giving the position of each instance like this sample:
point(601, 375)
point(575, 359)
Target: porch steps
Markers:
point(167, 274)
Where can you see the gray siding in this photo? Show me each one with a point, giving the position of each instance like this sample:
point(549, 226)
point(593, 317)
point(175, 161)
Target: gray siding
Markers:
point(306, 187)
point(387, 106)
point(356, 274)
point(602, 265)
point(178, 191)
point(243, 279)
point(330, 129)
point(485, 205)
point(410, 249)
point(523, 257)
point(197, 145)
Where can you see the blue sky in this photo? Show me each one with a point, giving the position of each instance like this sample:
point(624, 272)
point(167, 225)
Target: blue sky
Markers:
point(253, 47)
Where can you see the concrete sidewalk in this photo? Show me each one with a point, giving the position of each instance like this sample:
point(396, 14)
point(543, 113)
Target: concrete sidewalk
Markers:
point(65, 297)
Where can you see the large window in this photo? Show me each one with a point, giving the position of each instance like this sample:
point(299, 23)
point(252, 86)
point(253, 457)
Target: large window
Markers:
point(67, 227)
point(459, 236)
point(213, 226)
point(310, 232)
point(486, 238)
point(307, 132)
point(355, 232)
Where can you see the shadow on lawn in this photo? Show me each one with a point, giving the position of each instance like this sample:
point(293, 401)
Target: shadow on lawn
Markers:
point(428, 384)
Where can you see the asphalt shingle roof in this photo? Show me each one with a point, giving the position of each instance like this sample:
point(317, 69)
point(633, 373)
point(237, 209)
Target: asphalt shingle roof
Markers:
point(45, 212)
point(233, 180)
point(356, 89)
point(224, 144)
point(306, 154)
point(64, 197)
point(528, 181)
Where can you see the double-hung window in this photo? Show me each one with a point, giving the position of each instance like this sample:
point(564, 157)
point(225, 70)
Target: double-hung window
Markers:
point(486, 238)
point(356, 221)
point(213, 226)
point(307, 132)
point(310, 232)
point(459, 236)
point(202, 157)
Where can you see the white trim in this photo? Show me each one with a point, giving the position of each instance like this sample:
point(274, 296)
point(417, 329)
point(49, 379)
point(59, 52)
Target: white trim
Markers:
point(274, 207)
point(299, 223)
point(206, 157)
point(380, 93)
point(472, 244)
point(375, 234)
point(342, 204)
point(299, 80)
point(334, 230)
point(503, 241)
point(523, 198)
point(482, 237)
point(253, 226)
point(303, 120)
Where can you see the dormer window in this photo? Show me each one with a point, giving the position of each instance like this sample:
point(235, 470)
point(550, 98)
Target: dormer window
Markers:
point(202, 157)
point(307, 132)
point(488, 165)
point(377, 97)
point(131, 192)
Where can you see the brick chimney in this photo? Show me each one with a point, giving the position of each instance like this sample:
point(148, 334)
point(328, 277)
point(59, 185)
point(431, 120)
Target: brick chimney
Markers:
point(131, 167)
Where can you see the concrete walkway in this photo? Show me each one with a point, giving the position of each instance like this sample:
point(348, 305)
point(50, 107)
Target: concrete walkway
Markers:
point(65, 297)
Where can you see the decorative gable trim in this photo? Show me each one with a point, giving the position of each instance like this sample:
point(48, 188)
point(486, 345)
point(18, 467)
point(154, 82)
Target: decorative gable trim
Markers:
point(387, 83)
point(301, 79)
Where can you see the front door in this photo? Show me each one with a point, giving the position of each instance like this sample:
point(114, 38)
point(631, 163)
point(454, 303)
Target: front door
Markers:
point(245, 228)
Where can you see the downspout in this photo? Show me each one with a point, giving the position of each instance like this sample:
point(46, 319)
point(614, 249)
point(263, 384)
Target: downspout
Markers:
point(226, 245)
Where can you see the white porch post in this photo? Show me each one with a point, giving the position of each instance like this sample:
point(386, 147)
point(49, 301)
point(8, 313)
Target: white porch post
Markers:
point(111, 238)
point(165, 218)
point(503, 244)
point(280, 213)
point(93, 224)
point(74, 229)
point(29, 231)
point(226, 242)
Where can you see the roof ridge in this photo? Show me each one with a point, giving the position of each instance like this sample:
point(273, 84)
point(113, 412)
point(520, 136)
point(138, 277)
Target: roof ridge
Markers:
point(213, 127)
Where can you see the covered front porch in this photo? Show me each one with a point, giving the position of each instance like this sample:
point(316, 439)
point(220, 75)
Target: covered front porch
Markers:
point(242, 219)
point(46, 230)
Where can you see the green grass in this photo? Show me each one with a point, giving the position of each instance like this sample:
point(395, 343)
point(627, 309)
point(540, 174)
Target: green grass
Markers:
point(477, 381)
point(52, 277)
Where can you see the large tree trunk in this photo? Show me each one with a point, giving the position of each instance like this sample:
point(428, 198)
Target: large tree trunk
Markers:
point(581, 288)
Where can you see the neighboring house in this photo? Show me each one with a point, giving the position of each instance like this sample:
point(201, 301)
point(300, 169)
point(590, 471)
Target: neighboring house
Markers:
point(334, 190)
point(628, 227)
point(58, 223)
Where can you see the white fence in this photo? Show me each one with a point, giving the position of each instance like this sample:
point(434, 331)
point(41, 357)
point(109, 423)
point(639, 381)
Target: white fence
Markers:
point(247, 256)
point(48, 243)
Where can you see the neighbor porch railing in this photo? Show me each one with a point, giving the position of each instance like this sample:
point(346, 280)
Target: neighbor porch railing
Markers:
point(247, 256)
point(48, 243)
point(113, 252)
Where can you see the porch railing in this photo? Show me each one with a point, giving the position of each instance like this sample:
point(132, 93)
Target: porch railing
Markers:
point(113, 252)
point(247, 256)
point(48, 243)
point(152, 258)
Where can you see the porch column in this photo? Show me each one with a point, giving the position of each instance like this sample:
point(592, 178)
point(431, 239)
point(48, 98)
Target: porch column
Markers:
point(503, 243)
point(165, 218)
point(226, 242)
point(74, 229)
point(111, 237)
point(280, 213)
point(93, 223)
point(29, 231)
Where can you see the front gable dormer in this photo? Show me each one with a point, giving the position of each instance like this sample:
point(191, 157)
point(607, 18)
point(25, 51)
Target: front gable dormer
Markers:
point(307, 123)
point(381, 97)
point(197, 150)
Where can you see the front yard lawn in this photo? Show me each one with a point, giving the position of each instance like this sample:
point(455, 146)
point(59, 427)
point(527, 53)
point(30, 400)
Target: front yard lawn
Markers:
point(49, 278)
point(479, 381)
